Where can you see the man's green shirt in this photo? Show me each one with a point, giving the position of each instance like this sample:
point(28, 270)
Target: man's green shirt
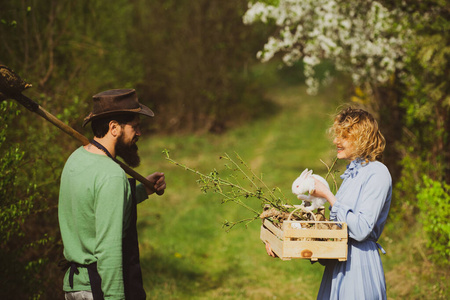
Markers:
point(94, 213)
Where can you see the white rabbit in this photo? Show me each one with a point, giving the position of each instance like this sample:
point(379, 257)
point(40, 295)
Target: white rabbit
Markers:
point(305, 184)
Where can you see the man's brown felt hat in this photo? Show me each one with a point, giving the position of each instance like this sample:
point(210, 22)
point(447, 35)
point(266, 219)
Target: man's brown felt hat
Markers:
point(115, 102)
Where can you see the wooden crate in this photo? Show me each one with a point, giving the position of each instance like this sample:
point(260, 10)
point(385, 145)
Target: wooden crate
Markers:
point(306, 239)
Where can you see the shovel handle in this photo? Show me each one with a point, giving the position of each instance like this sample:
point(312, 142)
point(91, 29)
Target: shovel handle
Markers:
point(138, 177)
point(36, 108)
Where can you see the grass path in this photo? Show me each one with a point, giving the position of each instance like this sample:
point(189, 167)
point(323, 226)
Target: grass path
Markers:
point(185, 253)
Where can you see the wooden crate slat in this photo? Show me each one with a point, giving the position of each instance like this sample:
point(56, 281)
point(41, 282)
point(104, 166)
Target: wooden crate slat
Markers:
point(312, 233)
point(274, 229)
point(275, 243)
point(290, 232)
point(315, 249)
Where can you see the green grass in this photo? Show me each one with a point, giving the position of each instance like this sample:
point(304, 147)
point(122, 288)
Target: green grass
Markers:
point(185, 252)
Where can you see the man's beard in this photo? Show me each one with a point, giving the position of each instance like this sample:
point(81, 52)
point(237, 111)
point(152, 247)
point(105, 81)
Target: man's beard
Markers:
point(129, 153)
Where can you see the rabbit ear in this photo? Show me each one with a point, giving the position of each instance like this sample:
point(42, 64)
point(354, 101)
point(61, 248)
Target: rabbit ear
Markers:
point(309, 173)
point(304, 174)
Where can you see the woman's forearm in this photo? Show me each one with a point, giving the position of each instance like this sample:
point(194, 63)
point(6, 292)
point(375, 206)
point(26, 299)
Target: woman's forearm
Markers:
point(331, 198)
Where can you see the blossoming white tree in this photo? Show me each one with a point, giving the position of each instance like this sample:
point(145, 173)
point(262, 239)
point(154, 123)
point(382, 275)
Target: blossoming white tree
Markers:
point(360, 37)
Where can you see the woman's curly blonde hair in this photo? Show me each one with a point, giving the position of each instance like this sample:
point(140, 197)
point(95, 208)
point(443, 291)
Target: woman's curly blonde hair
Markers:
point(361, 129)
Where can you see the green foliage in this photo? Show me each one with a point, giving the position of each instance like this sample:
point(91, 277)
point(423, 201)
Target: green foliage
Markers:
point(12, 213)
point(434, 203)
point(70, 51)
point(424, 92)
point(269, 2)
point(16, 206)
point(413, 108)
point(197, 60)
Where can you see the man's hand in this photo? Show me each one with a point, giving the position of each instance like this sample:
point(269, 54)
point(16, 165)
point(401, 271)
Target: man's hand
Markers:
point(158, 183)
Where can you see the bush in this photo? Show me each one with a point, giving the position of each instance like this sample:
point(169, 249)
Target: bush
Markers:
point(434, 204)
point(15, 208)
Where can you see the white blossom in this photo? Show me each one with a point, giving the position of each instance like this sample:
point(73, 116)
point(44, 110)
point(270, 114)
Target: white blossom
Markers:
point(361, 37)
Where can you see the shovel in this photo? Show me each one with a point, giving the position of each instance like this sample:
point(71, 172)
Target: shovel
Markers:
point(12, 86)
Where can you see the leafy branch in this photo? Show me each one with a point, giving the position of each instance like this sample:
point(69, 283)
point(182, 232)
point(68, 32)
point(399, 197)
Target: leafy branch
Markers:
point(240, 185)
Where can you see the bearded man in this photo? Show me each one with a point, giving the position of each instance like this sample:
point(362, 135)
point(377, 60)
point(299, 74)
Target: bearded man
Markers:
point(97, 203)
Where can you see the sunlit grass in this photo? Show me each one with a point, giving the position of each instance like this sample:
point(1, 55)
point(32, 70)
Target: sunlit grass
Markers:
point(185, 252)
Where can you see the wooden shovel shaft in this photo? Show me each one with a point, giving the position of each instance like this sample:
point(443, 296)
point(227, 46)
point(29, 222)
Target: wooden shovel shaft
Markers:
point(58, 123)
point(34, 107)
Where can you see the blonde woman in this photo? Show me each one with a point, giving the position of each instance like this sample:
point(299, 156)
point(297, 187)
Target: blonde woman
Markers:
point(363, 202)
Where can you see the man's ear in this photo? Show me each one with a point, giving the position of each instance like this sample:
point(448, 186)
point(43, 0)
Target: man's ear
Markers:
point(114, 128)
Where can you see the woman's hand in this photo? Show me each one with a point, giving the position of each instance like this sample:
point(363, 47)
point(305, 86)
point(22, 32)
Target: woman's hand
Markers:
point(269, 250)
point(322, 191)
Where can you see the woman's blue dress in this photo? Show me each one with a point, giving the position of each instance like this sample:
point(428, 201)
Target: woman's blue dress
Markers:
point(363, 202)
